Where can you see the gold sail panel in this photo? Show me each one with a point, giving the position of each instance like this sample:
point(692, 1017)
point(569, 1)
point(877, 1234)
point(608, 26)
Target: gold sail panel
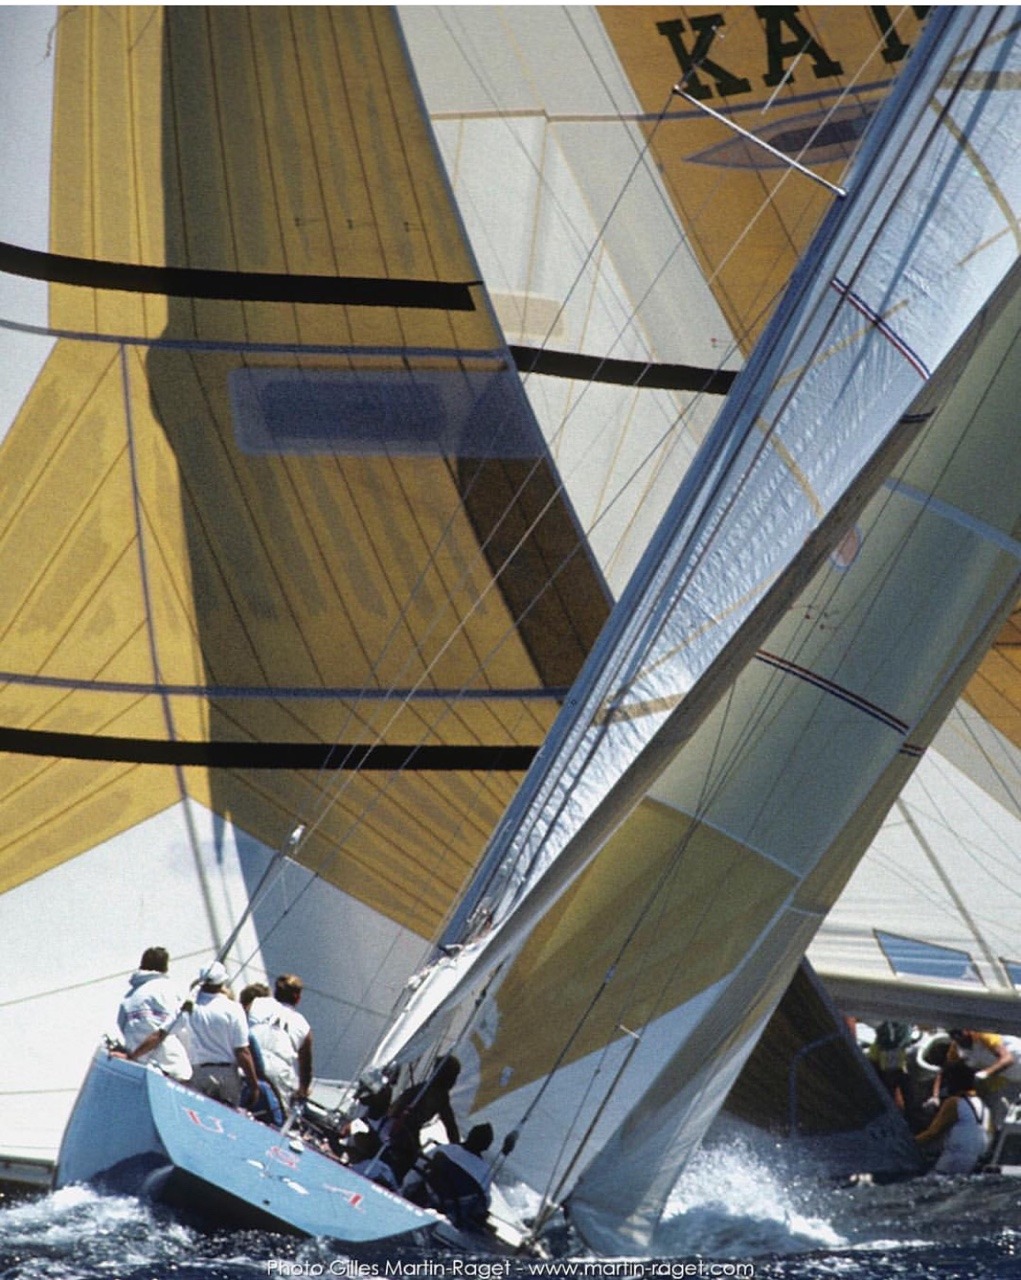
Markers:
point(804, 79)
point(995, 689)
point(275, 485)
point(278, 140)
point(668, 909)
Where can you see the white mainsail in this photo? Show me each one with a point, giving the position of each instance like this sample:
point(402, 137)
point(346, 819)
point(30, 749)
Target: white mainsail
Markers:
point(877, 258)
point(779, 457)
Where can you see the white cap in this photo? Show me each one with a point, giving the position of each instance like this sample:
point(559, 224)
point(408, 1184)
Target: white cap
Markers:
point(213, 975)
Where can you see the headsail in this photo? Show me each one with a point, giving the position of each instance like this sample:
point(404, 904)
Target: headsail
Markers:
point(927, 927)
point(870, 262)
point(824, 727)
point(706, 573)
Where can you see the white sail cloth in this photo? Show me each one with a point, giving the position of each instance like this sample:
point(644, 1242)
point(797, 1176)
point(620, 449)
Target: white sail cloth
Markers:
point(895, 277)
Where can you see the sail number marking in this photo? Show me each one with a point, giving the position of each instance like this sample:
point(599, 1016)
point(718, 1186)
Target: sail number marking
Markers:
point(211, 1124)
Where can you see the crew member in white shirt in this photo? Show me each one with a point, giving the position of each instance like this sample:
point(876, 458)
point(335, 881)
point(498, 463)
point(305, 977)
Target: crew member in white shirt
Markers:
point(152, 1014)
point(221, 1058)
point(284, 1038)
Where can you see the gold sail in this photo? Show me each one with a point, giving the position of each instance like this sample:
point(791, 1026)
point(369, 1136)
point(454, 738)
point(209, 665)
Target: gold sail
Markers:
point(278, 532)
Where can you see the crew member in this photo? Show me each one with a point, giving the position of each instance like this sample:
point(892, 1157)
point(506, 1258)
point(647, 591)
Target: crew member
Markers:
point(151, 1014)
point(284, 1039)
point(416, 1107)
point(456, 1179)
point(962, 1121)
point(220, 1055)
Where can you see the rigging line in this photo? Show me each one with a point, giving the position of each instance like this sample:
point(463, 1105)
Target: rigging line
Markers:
point(884, 501)
point(629, 660)
point(851, 87)
point(655, 900)
point(572, 288)
point(643, 152)
point(967, 848)
point(325, 805)
point(102, 979)
point(379, 796)
point(761, 142)
point(641, 161)
point(931, 133)
point(1011, 789)
point(969, 845)
point(655, 903)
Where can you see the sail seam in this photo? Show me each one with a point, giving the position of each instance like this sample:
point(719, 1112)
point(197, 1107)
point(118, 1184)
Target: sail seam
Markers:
point(273, 693)
point(884, 327)
point(643, 117)
point(464, 355)
point(936, 506)
point(644, 374)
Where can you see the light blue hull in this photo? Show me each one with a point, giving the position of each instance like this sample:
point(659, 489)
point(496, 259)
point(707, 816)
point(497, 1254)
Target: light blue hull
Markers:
point(136, 1132)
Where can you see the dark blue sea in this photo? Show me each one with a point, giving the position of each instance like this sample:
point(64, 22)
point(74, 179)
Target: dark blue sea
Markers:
point(735, 1214)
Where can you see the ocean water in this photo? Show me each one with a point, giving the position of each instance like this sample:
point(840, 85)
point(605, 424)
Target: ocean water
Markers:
point(734, 1214)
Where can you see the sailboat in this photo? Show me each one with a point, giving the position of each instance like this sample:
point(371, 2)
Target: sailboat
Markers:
point(177, 626)
point(173, 310)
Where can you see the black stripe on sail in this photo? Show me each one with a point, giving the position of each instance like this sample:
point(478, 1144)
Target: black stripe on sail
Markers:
point(624, 373)
point(237, 286)
point(265, 755)
point(834, 690)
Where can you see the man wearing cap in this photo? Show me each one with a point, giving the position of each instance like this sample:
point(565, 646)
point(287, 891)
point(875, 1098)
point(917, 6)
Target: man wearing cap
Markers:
point(219, 1048)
